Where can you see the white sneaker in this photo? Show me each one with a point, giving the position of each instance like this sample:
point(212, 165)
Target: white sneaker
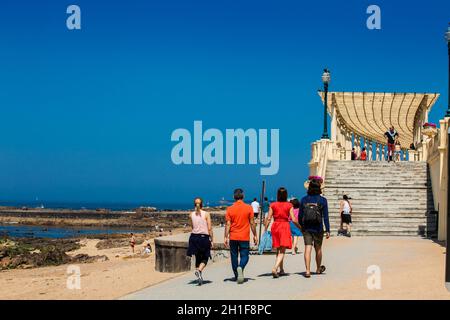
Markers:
point(198, 274)
point(240, 277)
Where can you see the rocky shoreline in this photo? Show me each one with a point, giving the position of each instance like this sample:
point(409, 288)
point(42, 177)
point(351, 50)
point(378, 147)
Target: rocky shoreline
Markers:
point(26, 253)
point(30, 253)
point(39, 252)
point(139, 218)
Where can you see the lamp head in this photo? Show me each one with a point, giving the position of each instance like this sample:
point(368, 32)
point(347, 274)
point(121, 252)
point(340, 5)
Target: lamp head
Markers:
point(326, 76)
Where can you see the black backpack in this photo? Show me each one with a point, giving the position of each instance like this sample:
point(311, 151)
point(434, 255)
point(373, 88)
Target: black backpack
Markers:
point(312, 214)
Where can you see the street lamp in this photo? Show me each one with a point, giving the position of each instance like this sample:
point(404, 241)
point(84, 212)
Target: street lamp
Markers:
point(326, 80)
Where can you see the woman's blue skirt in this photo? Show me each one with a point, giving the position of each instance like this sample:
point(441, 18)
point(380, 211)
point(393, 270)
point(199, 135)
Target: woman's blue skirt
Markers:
point(295, 232)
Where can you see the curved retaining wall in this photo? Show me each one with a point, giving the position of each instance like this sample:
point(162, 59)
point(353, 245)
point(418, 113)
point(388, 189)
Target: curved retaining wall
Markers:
point(171, 251)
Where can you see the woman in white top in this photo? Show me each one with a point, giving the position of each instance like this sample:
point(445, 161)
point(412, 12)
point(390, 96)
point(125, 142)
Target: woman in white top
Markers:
point(201, 239)
point(346, 215)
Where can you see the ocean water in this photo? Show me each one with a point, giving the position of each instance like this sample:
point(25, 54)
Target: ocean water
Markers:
point(103, 205)
point(21, 231)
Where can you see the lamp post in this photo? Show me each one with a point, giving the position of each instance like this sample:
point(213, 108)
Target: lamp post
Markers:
point(326, 80)
point(447, 253)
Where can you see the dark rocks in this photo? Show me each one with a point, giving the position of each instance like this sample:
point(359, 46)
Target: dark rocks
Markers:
point(30, 253)
point(84, 258)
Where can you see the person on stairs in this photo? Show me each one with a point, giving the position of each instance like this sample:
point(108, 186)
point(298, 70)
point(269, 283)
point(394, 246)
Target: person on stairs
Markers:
point(391, 135)
point(346, 215)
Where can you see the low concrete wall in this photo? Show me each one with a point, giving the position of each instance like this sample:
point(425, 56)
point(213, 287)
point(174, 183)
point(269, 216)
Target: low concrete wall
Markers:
point(171, 251)
point(171, 256)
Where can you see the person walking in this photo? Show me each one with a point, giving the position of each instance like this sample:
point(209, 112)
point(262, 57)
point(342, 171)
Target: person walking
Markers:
point(280, 211)
point(132, 242)
point(313, 215)
point(391, 135)
point(345, 208)
point(265, 208)
point(201, 239)
point(255, 206)
point(295, 231)
point(239, 220)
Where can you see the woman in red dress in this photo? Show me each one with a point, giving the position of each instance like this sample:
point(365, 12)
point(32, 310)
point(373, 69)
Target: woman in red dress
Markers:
point(281, 230)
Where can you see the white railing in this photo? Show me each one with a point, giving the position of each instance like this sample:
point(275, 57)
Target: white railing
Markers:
point(322, 150)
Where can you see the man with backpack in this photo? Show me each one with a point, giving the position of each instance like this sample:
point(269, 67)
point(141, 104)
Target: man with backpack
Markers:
point(391, 135)
point(312, 216)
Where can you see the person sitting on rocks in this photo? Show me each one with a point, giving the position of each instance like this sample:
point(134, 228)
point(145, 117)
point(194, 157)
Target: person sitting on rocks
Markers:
point(147, 248)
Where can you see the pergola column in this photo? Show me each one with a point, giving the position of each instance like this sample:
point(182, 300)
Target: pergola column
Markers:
point(377, 151)
point(369, 150)
point(358, 144)
point(341, 140)
point(348, 145)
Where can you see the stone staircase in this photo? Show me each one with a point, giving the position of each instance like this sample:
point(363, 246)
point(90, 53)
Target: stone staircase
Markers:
point(388, 198)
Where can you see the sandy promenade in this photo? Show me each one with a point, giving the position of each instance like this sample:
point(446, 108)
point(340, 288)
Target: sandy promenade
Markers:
point(410, 268)
point(111, 279)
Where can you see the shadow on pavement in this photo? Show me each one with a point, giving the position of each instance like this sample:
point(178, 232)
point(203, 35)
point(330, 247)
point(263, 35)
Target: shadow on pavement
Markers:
point(269, 274)
point(196, 282)
point(234, 280)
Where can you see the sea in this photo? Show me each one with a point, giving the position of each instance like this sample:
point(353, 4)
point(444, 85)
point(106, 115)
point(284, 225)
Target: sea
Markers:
point(165, 206)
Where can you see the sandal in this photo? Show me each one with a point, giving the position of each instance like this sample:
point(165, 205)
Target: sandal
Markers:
point(275, 274)
point(282, 273)
point(321, 270)
point(307, 275)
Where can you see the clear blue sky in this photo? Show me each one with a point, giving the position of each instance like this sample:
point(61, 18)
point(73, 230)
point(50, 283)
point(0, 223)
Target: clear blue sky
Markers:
point(87, 115)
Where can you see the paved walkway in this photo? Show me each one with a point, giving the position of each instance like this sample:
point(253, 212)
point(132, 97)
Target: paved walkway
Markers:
point(411, 268)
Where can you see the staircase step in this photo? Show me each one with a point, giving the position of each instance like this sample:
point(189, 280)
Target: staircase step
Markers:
point(387, 198)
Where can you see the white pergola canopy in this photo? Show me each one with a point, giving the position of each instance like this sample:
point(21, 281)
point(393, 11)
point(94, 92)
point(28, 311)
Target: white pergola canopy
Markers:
point(370, 114)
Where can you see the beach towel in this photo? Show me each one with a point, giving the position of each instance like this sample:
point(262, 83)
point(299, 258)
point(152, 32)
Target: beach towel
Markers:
point(266, 242)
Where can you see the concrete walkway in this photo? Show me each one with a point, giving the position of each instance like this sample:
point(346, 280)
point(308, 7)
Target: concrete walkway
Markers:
point(411, 268)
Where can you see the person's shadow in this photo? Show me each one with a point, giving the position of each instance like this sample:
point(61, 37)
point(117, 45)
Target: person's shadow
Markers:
point(312, 273)
point(196, 282)
point(269, 274)
point(302, 274)
point(234, 280)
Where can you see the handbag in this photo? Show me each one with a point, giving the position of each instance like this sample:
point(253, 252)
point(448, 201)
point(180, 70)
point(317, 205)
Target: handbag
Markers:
point(266, 242)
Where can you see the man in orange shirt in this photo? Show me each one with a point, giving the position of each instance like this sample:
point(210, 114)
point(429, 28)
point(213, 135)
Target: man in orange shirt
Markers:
point(239, 219)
